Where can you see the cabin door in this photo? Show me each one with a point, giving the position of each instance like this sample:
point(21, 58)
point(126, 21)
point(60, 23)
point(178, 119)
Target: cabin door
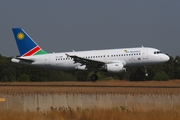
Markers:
point(47, 62)
point(145, 53)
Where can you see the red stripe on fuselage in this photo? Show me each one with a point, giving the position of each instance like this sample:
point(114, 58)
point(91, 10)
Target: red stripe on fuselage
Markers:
point(32, 51)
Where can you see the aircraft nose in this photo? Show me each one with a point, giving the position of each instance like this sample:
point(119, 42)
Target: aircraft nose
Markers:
point(165, 58)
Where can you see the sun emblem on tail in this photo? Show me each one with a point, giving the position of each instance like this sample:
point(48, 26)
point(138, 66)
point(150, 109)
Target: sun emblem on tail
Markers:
point(20, 36)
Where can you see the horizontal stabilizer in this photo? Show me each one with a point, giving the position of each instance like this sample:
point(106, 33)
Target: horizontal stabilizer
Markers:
point(22, 60)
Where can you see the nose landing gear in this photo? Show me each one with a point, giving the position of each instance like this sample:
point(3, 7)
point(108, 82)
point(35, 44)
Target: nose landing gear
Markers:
point(145, 69)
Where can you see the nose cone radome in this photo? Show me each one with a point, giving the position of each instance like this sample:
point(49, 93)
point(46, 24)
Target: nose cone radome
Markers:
point(165, 58)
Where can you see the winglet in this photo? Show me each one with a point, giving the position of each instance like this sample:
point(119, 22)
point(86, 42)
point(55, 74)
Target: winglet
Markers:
point(26, 45)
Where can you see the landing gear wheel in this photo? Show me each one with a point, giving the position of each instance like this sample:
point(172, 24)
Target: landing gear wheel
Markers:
point(94, 77)
point(145, 69)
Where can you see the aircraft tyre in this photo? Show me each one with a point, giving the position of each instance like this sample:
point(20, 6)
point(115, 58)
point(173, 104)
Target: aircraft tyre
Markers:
point(94, 77)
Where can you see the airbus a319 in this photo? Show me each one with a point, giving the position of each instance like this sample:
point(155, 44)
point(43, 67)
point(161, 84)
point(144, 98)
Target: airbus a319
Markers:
point(109, 60)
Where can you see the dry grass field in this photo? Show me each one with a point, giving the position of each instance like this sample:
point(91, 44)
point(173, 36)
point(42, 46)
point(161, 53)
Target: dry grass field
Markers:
point(104, 87)
point(93, 114)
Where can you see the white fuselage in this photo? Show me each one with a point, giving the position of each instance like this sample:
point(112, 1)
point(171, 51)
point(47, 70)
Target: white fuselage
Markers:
point(140, 56)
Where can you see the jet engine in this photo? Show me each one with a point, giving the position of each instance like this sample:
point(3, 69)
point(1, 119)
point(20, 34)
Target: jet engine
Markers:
point(114, 68)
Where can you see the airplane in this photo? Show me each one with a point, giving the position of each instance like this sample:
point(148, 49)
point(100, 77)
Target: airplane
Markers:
point(109, 60)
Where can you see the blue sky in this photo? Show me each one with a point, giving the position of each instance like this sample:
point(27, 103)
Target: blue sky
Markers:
point(66, 25)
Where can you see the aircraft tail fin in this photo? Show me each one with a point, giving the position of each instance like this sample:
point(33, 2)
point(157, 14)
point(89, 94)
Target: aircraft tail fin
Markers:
point(26, 45)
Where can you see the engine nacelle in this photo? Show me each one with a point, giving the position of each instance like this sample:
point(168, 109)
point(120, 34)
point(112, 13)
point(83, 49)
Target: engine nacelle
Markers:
point(114, 68)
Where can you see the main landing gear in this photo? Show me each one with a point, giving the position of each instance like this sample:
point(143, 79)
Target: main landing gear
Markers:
point(94, 77)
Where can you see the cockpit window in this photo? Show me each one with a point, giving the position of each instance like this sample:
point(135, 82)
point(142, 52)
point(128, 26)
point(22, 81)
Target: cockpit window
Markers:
point(157, 52)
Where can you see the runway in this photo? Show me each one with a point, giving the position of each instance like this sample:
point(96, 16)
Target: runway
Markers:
point(103, 87)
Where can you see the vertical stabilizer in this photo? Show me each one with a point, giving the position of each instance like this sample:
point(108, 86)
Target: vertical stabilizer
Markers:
point(26, 45)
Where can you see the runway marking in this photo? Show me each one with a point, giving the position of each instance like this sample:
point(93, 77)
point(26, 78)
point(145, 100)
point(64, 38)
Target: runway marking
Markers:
point(2, 99)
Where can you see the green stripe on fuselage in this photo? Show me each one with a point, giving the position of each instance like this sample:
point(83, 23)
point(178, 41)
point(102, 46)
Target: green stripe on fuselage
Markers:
point(40, 52)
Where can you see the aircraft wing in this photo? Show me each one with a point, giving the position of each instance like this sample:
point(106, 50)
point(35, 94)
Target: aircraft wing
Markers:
point(90, 64)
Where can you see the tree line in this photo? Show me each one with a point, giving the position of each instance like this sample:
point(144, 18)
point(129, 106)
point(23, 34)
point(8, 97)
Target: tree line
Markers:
point(12, 72)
